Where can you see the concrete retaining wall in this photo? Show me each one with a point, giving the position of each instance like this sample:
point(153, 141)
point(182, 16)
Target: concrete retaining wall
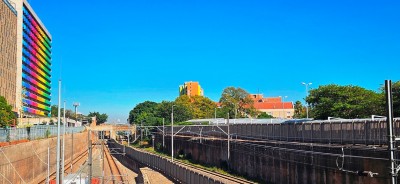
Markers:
point(27, 162)
point(279, 162)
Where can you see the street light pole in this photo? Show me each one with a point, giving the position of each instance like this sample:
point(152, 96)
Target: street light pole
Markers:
point(172, 133)
point(76, 104)
point(58, 179)
point(283, 106)
point(306, 84)
point(63, 147)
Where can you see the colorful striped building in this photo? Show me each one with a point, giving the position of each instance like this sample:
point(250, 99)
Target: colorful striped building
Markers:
point(33, 63)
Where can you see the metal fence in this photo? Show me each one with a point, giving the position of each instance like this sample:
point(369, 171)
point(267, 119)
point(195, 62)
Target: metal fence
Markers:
point(357, 131)
point(34, 132)
point(172, 170)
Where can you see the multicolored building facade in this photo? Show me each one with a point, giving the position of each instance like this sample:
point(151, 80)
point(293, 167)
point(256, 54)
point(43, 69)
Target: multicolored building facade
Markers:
point(33, 63)
point(191, 89)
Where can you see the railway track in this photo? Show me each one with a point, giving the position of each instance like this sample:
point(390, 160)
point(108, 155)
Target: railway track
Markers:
point(217, 176)
point(116, 174)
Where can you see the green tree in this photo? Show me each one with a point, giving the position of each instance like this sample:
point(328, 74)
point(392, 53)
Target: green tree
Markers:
point(54, 111)
point(237, 98)
point(299, 110)
point(344, 102)
point(181, 112)
point(199, 107)
point(144, 111)
point(396, 98)
point(100, 118)
point(264, 115)
point(7, 116)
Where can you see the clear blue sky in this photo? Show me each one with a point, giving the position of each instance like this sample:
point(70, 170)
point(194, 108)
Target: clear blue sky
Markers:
point(113, 55)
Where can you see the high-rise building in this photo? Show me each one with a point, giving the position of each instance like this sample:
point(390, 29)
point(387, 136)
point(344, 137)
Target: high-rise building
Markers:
point(33, 85)
point(191, 89)
point(8, 52)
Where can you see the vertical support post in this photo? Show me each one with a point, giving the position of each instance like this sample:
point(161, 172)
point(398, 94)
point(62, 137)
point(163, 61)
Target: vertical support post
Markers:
point(341, 132)
point(352, 132)
point(141, 133)
point(58, 134)
point(63, 147)
point(229, 143)
point(163, 134)
point(389, 121)
point(366, 132)
point(302, 130)
point(129, 136)
point(330, 136)
point(90, 161)
point(312, 131)
point(72, 148)
point(102, 157)
point(48, 165)
point(172, 133)
point(320, 132)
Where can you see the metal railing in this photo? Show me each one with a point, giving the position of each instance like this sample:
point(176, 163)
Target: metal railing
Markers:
point(34, 132)
point(357, 131)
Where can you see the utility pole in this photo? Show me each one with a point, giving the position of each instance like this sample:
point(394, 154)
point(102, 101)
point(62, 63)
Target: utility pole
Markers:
point(90, 156)
point(306, 84)
point(391, 136)
point(163, 134)
point(63, 147)
point(90, 161)
point(229, 143)
point(48, 165)
point(141, 133)
point(172, 134)
point(58, 134)
point(76, 104)
point(102, 156)
point(72, 148)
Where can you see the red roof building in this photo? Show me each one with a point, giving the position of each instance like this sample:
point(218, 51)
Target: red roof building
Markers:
point(273, 106)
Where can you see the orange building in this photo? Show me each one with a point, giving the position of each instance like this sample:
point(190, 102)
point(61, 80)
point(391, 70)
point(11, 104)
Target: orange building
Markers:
point(273, 106)
point(191, 89)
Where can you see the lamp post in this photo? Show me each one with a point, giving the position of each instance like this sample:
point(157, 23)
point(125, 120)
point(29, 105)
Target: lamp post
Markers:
point(172, 133)
point(283, 105)
point(58, 178)
point(76, 104)
point(306, 84)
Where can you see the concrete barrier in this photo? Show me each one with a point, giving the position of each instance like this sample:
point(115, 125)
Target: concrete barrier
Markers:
point(27, 162)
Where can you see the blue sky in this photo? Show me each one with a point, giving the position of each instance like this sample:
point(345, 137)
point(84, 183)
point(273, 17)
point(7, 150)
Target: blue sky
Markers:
point(111, 56)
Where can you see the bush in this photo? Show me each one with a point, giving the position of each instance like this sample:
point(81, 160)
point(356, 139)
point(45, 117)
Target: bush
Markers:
point(47, 133)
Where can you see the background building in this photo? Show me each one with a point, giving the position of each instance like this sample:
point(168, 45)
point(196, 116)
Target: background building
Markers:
point(191, 89)
point(273, 106)
point(33, 82)
point(8, 52)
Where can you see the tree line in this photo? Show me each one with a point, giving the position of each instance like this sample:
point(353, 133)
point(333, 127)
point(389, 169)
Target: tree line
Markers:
point(100, 117)
point(348, 102)
point(234, 102)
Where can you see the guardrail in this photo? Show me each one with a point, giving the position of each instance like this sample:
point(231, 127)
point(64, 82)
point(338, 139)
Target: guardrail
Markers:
point(366, 131)
point(178, 173)
point(34, 132)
